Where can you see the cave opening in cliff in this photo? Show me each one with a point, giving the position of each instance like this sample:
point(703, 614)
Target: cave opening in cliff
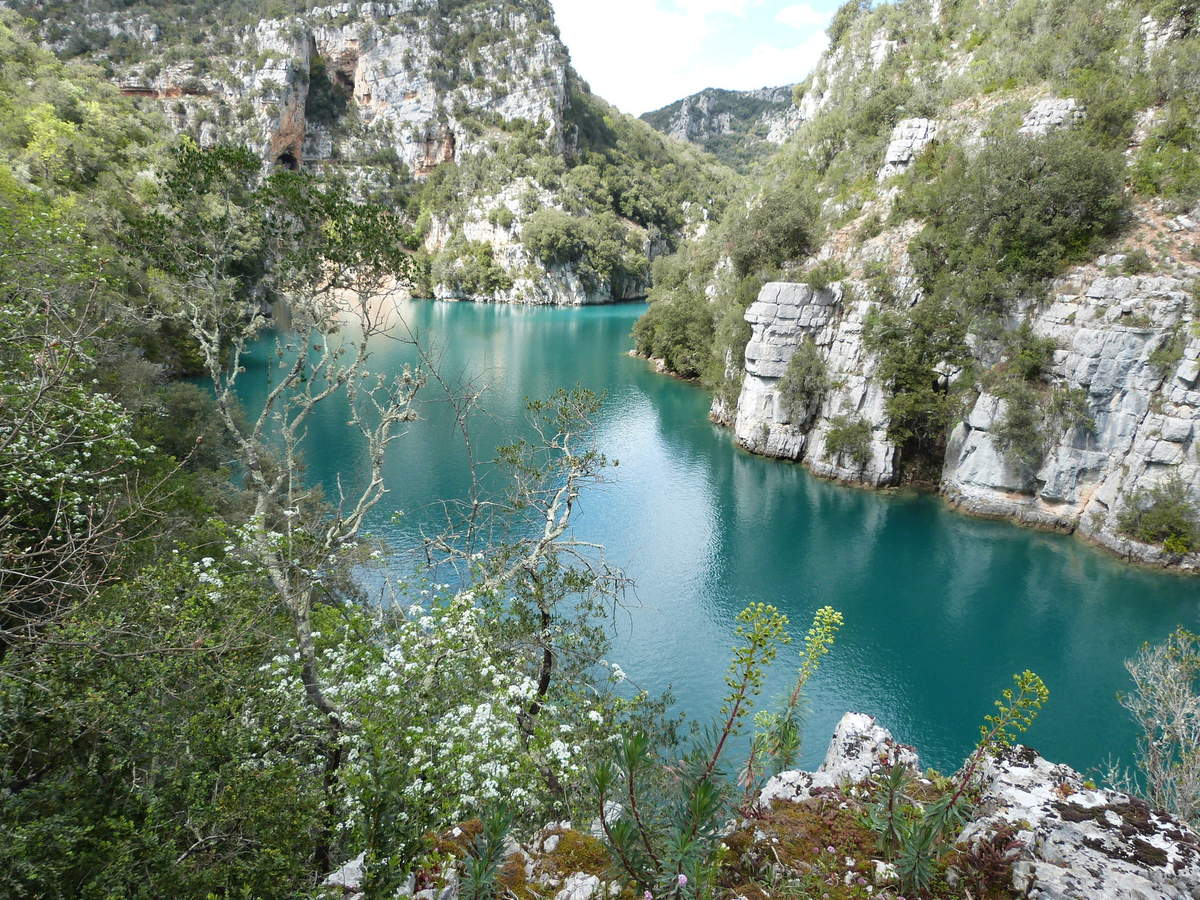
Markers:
point(288, 160)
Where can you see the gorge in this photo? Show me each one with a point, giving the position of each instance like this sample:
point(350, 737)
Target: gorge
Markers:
point(357, 542)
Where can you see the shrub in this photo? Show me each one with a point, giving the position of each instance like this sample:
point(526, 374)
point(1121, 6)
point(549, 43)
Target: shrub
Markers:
point(850, 437)
point(777, 228)
point(595, 245)
point(1018, 434)
point(845, 16)
point(1166, 356)
point(1168, 163)
point(470, 267)
point(1136, 262)
point(1001, 222)
point(821, 275)
point(1163, 514)
point(679, 331)
point(1028, 355)
point(804, 382)
point(1165, 704)
point(502, 217)
point(325, 102)
point(914, 346)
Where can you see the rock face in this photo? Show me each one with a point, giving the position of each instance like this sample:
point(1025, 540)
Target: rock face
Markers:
point(1080, 842)
point(1047, 115)
point(382, 94)
point(909, 138)
point(1117, 337)
point(1071, 841)
point(393, 63)
point(733, 125)
point(782, 317)
point(858, 749)
point(1124, 328)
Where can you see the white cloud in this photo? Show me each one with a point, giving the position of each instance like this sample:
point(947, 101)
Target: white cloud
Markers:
point(802, 16)
point(768, 66)
point(643, 54)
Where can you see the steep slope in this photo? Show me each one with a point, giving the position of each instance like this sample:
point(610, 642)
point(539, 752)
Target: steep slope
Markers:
point(975, 265)
point(390, 95)
point(737, 127)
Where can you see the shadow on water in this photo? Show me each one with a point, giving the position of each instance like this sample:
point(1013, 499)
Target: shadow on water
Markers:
point(940, 609)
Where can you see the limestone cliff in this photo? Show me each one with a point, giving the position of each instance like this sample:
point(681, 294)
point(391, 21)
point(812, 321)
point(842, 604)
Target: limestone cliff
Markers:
point(478, 98)
point(736, 126)
point(1123, 325)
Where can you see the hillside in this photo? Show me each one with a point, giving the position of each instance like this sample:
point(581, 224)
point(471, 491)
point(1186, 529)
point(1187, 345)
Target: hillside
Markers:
point(224, 673)
point(520, 184)
point(737, 127)
point(975, 265)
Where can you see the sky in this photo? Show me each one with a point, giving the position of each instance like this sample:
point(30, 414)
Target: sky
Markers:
point(644, 54)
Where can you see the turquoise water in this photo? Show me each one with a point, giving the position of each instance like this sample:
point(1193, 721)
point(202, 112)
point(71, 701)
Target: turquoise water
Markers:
point(940, 609)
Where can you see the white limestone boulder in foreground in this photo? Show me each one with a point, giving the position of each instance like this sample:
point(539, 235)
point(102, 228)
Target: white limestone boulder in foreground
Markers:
point(1074, 842)
point(858, 749)
point(1079, 841)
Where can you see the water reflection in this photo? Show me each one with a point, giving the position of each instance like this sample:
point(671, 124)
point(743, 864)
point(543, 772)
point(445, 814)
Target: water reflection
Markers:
point(940, 609)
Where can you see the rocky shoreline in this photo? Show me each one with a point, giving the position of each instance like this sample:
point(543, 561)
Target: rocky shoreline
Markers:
point(1110, 332)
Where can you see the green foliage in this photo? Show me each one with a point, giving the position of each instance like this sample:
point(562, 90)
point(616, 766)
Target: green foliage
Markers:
point(1027, 356)
point(1136, 262)
point(804, 383)
point(776, 742)
point(917, 835)
point(599, 248)
point(651, 180)
point(677, 331)
point(670, 835)
point(1165, 705)
point(844, 17)
point(1164, 514)
point(775, 228)
point(470, 269)
point(1016, 710)
point(850, 438)
point(824, 273)
point(326, 101)
point(914, 346)
point(740, 138)
point(485, 857)
point(502, 217)
point(1168, 163)
point(1167, 355)
point(1035, 415)
point(679, 327)
point(1012, 215)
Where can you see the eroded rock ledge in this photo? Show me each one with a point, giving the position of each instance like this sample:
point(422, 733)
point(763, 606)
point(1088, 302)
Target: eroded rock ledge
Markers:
point(1072, 841)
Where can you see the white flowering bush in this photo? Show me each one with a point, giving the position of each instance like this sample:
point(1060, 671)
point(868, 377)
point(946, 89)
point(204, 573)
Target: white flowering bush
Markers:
point(433, 733)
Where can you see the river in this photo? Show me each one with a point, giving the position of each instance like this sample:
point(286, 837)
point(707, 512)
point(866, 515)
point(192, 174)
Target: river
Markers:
point(940, 608)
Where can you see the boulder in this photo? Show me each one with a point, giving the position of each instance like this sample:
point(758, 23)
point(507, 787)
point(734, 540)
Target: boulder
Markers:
point(1078, 842)
point(858, 749)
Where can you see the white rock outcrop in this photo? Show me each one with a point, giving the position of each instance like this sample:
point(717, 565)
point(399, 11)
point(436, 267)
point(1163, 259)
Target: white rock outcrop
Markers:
point(580, 886)
point(1069, 841)
point(1053, 113)
point(909, 138)
point(784, 315)
point(857, 750)
point(1077, 842)
point(1108, 329)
